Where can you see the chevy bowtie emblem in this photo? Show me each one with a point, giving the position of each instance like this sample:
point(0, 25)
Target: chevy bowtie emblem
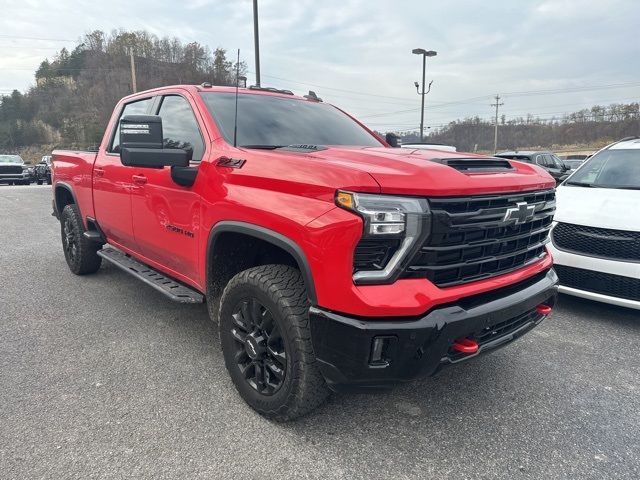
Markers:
point(521, 213)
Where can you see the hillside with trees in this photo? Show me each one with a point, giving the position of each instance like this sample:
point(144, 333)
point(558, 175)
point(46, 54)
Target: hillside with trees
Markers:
point(75, 92)
point(588, 127)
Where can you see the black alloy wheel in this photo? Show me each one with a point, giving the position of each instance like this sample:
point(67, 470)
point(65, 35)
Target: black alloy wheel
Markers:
point(260, 353)
point(80, 252)
point(266, 342)
point(70, 240)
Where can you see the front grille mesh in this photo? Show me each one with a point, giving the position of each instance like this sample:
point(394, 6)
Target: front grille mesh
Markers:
point(373, 254)
point(10, 169)
point(599, 282)
point(470, 240)
point(597, 242)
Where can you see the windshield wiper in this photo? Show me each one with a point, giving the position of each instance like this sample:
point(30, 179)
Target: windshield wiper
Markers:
point(263, 147)
point(581, 184)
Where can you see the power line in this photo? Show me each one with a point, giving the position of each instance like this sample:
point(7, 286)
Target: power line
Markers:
point(17, 37)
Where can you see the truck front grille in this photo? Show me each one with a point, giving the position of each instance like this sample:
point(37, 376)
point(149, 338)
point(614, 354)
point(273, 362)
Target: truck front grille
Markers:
point(597, 242)
point(471, 240)
point(10, 169)
point(599, 282)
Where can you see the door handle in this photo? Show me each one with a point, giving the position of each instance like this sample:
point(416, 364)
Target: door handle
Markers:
point(139, 179)
point(99, 172)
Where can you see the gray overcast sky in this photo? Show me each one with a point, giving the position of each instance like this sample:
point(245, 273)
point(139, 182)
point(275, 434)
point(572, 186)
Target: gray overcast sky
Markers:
point(337, 47)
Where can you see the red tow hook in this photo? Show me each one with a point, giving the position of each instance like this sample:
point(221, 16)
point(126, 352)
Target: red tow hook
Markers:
point(465, 345)
point(543, 309)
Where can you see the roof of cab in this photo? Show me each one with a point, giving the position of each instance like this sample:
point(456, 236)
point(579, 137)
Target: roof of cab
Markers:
point(626, 144)
point(524, 153)
point(195, 89)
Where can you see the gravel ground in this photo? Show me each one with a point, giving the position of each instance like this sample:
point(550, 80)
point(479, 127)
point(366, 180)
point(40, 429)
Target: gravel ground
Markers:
point(102, 377)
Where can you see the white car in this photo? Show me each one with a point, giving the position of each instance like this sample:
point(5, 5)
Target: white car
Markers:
point(595, 240)
point(430, 146)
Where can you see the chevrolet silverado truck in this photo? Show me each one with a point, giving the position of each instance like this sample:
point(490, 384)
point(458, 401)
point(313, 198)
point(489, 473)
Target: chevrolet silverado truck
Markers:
point(330, 260)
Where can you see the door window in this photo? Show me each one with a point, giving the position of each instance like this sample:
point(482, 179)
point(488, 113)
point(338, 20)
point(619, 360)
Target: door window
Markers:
point(557, 163)
point(179, 126)
point(540, 160)
point(140, 107)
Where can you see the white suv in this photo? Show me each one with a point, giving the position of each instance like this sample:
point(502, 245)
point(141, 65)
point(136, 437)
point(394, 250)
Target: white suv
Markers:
point(595, 240)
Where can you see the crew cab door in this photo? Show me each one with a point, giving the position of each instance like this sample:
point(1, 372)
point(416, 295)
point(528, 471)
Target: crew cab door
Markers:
point(166, 216)
point(112, 184)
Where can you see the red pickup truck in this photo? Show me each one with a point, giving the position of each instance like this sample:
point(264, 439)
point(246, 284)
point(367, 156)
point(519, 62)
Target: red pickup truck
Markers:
point(331, 260)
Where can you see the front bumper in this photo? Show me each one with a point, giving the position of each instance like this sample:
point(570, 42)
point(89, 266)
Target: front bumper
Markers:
point(420, 347)
point(599, 279)
point(14, 177)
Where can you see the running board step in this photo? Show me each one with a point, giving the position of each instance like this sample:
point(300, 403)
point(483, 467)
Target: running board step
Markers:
point(164, 284)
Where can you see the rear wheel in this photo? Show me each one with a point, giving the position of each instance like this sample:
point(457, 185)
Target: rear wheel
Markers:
point(80, 252)
point(39, 182)
point(266, 342)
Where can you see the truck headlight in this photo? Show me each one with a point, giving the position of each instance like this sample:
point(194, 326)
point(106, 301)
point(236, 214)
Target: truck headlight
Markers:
point(394, 228)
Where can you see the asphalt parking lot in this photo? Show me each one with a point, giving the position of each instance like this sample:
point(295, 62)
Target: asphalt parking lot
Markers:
point(102, 377)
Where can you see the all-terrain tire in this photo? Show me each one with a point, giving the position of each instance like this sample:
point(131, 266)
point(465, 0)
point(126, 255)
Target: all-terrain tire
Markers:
point(80, 252)
point(281, 297)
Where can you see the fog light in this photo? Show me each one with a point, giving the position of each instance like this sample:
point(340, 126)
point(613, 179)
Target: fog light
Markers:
point(381, 351)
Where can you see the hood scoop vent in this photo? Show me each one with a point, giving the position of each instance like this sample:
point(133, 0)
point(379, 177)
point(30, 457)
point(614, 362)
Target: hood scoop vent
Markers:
point(476, 165)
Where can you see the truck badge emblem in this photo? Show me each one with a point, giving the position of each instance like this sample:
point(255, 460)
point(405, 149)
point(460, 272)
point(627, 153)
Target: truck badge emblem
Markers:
point(521, 213)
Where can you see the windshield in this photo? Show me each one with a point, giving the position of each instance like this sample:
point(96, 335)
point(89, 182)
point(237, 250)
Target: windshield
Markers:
point(574, 163)
point(613, 168)
point(10, 159)
point(268, 121)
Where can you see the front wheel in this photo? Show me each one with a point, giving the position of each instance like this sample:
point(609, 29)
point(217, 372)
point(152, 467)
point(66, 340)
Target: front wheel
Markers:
point(80, 252)
point(39, 182)
point(266, 342)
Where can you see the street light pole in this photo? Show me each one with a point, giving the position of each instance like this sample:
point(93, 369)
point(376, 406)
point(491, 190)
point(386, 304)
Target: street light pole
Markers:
point(424, 71)
point(425, 54)
point(256, 40)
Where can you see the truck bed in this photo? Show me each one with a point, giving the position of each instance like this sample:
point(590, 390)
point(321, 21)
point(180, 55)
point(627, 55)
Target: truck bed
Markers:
point(74, 168)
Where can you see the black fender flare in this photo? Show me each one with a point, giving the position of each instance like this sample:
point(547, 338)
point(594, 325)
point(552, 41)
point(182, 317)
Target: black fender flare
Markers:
point(68, 188)
point(269, 236)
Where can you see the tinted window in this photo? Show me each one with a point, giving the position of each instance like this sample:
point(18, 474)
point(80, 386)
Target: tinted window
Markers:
point(134, 108)
point(610, 169)
point(520, 158)
point(554, 162)
point(179, 126)
point(278, 121)
point(541, 160)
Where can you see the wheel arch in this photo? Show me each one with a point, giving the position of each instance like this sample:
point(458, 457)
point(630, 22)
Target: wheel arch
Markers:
point(261, 234)
point(63, 196)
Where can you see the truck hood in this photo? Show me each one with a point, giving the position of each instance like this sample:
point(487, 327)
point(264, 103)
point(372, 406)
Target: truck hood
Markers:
point(414, 172)
point(598, 207)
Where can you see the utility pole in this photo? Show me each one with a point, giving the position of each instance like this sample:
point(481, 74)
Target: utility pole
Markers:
point(495, 132)
point(133, 71)
point(256, 40)
point(425, 54)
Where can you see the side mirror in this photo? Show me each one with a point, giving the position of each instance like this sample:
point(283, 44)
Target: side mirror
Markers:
point(142, 145)
point(393, 140)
